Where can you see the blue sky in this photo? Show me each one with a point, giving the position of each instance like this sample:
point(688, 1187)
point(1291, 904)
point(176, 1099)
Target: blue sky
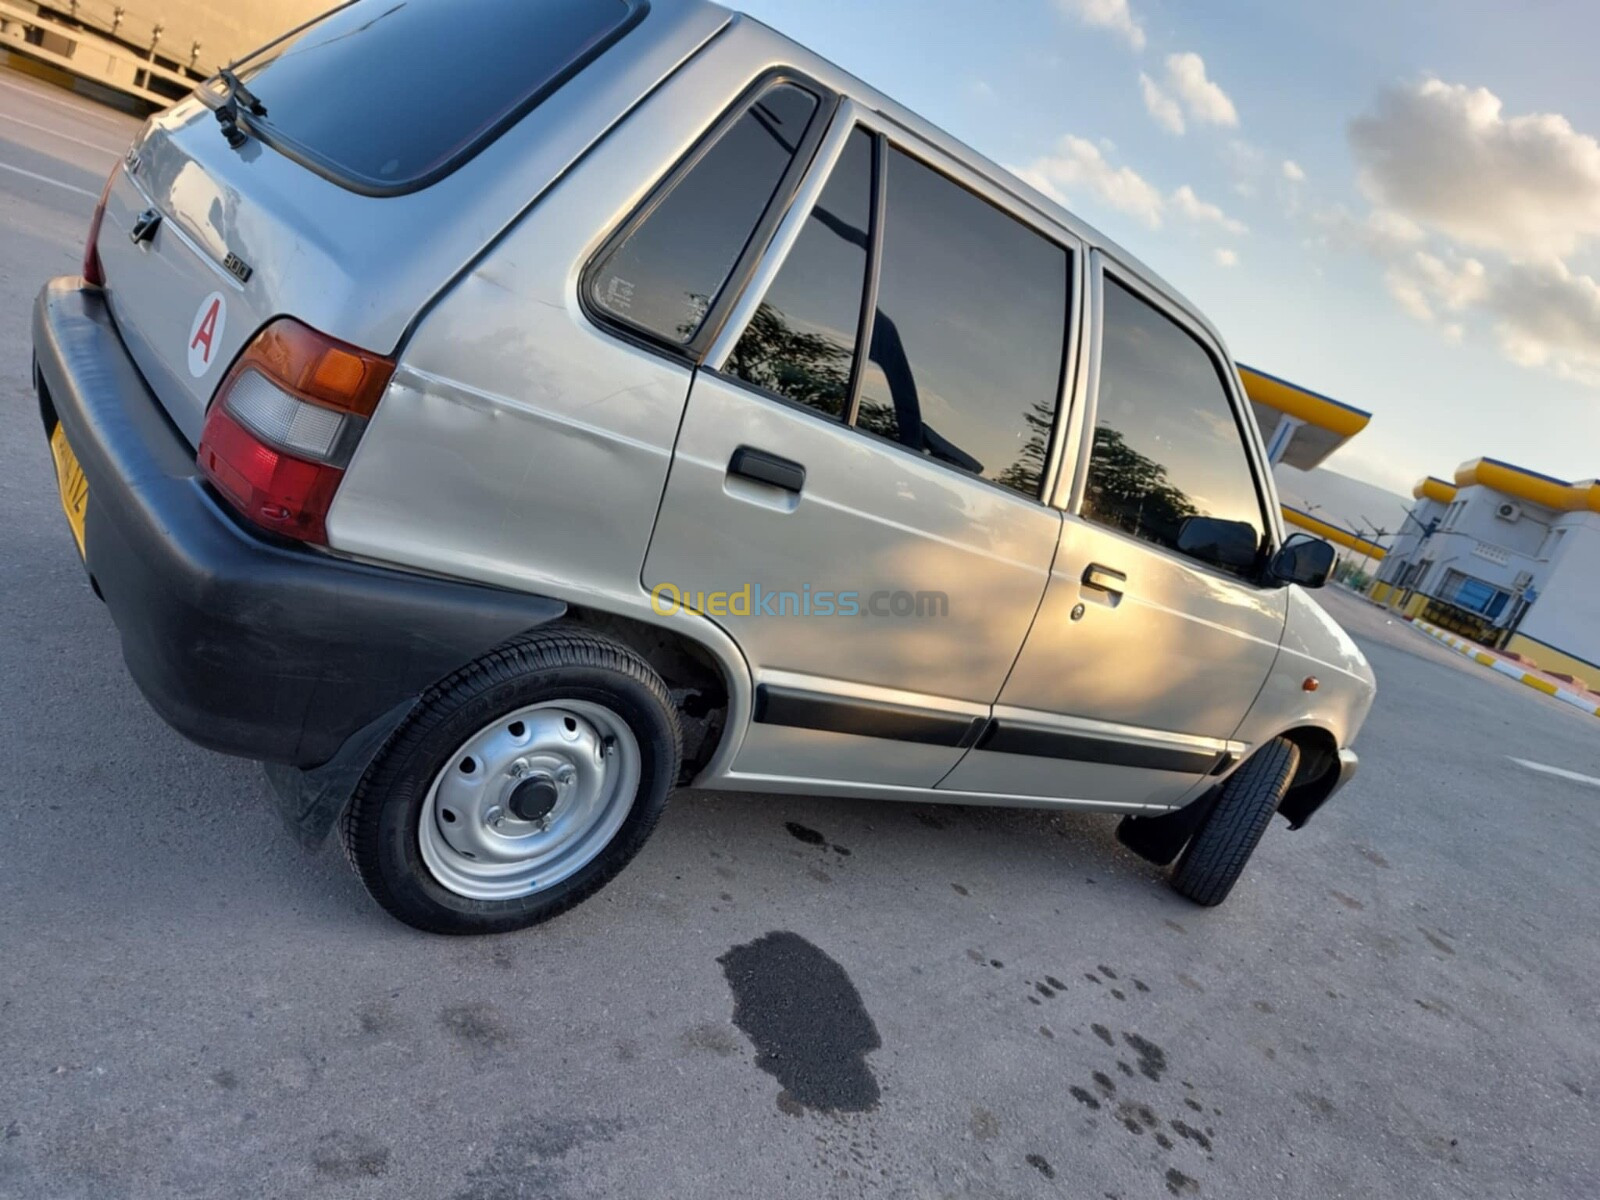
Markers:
point(1429, 256)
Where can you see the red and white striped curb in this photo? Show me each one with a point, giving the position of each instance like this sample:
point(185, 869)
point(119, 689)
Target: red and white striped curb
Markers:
point(1509, 669)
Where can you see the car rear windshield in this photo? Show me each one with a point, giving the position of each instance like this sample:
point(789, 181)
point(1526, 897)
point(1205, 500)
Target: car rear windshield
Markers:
point(388, 96)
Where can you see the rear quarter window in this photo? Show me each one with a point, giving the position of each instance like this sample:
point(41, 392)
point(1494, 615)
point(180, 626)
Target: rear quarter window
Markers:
point(388, 96)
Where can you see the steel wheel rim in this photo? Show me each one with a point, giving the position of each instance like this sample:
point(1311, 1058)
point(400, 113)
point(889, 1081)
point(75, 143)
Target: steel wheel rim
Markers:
point(478, 831)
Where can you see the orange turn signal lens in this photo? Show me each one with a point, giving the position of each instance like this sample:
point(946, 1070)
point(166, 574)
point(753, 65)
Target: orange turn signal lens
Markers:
point(316, 368)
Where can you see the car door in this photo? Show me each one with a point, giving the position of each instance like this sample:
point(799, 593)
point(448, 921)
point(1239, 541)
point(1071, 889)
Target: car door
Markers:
point(856, 490)
point(1144, 659)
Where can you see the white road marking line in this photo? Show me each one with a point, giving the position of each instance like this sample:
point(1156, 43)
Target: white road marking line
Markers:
point(71, 187)
point(1557, 771)
point(59, 136)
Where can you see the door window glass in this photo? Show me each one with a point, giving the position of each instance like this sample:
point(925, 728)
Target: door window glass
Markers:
point(668, 271)
point(969, 333)
point(801, 343)
point(1167, 444)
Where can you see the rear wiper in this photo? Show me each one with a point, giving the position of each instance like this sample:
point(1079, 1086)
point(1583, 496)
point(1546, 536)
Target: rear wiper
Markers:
point(237, 97)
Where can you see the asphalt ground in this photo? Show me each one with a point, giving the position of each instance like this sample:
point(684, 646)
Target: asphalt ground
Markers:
point(781, 997)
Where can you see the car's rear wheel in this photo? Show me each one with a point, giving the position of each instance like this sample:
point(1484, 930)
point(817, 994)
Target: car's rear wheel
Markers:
point(1216, 855)
point(517, 787)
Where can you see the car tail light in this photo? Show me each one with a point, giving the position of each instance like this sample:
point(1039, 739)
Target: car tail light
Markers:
point(284, 424)
point(93, 272)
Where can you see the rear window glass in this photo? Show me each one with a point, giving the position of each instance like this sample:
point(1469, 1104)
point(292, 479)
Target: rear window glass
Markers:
point(670, 267)
point(389, 95)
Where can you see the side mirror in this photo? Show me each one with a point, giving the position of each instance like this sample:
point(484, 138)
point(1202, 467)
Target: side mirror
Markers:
point(1305, 560)
point(1233, 544)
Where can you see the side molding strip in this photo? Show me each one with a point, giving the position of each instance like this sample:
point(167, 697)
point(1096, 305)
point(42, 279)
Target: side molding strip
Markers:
point(863, 718)
point(1038, 741)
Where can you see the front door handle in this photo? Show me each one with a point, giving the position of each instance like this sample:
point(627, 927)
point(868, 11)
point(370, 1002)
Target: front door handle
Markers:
point(762, 467)
point(1104, 579)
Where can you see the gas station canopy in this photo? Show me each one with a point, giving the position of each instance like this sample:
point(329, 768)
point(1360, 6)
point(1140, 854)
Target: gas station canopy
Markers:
point(1301, 427)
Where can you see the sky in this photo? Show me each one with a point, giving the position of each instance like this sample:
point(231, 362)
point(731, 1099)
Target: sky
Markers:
point(1394, 203)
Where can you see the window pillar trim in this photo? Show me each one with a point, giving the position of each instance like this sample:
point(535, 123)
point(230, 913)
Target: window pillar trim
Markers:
point(869, 294)
point(758, 282)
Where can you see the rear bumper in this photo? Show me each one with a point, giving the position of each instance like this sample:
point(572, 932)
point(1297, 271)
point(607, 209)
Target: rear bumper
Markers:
point(246, 646)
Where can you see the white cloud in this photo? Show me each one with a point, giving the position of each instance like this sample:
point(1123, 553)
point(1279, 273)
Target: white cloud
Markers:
point(1114, 15)
point(1206, 103)
point(1445, 155)
point(1162, 107)
point(1293, 171)
point(1381, 233)
point(1036, 177)
point(1196, 209)
point(1549, 317)
point(1079, 165)
point(1455, 287)
point(1424, 284)
point(1226, 258)
point(1408, 294)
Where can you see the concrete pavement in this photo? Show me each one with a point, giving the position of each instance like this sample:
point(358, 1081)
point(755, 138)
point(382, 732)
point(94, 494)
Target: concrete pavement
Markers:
point(1398, 1000)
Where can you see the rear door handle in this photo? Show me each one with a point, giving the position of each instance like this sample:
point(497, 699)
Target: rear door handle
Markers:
point(1104, 579)
point(766, 468)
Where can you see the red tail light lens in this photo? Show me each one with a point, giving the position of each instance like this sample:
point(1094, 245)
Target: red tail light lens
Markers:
point(284, 424)
point(93, 272)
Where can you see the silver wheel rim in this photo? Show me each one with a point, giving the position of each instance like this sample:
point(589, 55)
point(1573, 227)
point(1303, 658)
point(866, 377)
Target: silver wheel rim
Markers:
point(483, 831)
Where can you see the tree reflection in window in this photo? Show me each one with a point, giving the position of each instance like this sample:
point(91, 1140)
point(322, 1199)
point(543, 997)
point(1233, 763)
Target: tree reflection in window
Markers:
point(1131, 492)
point(809, 368)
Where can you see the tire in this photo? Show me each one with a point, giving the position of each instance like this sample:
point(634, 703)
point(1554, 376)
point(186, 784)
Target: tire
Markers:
point(516, 788)
point(1216, 855)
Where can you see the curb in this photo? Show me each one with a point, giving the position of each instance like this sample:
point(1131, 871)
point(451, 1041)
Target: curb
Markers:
point(1509, 670)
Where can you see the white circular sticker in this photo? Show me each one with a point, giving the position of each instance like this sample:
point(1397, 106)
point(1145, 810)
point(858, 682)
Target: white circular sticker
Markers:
point(205, 335)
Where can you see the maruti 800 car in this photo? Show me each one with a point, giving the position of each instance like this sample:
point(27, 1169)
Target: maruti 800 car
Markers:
point(493, 414)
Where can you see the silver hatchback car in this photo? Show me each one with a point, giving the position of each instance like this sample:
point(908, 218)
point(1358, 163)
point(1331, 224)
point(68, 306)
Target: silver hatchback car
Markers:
point(493, 414)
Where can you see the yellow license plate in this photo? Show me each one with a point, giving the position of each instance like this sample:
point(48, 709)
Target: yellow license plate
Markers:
point(74, 487)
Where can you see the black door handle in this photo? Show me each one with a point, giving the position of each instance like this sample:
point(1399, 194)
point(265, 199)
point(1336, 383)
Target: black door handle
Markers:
point(1104, 579)
point(767, 468)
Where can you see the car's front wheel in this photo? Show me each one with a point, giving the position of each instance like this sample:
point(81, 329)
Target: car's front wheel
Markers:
point(517, 787)
point(1216, 855)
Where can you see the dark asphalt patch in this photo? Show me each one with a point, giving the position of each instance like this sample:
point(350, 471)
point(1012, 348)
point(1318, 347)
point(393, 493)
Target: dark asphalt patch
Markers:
point(806, 1020)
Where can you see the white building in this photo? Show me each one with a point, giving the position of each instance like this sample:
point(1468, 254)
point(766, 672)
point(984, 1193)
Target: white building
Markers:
point(1507, 556)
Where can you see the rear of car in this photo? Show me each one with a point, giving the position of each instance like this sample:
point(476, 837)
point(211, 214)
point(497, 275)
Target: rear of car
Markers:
point(257, 260)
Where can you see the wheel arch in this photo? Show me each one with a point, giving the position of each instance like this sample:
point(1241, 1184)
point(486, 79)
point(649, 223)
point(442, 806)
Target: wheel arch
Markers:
point(709, 695)
point(1317, 776)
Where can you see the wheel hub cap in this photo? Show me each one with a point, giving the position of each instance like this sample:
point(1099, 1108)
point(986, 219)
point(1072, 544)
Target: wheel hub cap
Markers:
point(529, 799)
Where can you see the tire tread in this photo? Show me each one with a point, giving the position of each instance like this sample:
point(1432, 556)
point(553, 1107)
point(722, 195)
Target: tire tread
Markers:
point(1216, 856)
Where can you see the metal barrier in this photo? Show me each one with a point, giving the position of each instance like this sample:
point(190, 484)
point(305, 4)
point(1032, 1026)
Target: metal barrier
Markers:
point(92, 56)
